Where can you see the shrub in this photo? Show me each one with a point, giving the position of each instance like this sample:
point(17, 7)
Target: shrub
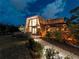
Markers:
point(48, 36)
point(58, 36)
point(35, 48)
point(67, 57)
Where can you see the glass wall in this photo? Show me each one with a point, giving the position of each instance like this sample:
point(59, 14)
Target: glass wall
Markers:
point(33, 26)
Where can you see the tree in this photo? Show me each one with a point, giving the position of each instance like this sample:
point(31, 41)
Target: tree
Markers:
point(21, 28)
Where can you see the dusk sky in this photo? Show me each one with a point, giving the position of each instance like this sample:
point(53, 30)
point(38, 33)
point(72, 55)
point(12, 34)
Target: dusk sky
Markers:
point(15, 12)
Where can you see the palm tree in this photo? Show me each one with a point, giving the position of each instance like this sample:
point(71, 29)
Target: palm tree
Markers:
point(75, 17)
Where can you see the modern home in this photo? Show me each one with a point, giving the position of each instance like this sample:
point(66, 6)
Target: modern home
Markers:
point(37, 25)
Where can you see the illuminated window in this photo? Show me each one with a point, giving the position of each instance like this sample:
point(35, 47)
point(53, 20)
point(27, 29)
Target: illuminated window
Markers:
point(33, 25)
point(34, 31)
point(34, 22)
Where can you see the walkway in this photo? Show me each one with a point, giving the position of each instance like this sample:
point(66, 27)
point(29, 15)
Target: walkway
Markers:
point(62, 51)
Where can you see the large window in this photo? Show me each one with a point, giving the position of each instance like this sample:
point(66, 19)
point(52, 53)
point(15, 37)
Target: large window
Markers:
point(34, 31)
point(33, 22)
point(33, 25)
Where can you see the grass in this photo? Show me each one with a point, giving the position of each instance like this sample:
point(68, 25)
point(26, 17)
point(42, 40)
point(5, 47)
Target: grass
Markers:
point(7, 41)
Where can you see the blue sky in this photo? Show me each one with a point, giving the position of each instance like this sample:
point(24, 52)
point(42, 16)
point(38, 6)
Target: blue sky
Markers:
point(15, 12)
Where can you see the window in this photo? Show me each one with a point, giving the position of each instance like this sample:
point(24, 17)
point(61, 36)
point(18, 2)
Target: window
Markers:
point(34, 31)
point(34, 22)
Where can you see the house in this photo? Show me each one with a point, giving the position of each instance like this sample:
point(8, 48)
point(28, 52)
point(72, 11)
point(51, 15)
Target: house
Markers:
point(37, 25)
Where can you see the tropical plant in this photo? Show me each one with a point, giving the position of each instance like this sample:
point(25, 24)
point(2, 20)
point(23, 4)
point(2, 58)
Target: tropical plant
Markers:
point(75, 17)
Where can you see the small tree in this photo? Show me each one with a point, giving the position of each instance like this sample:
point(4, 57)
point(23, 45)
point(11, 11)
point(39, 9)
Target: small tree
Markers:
point(21, 28)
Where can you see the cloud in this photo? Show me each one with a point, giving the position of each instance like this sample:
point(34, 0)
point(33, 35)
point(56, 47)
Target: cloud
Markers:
point(52, 9)
point(16, 11)
point(11, 11)
point(9, 15)
point(22, 5)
